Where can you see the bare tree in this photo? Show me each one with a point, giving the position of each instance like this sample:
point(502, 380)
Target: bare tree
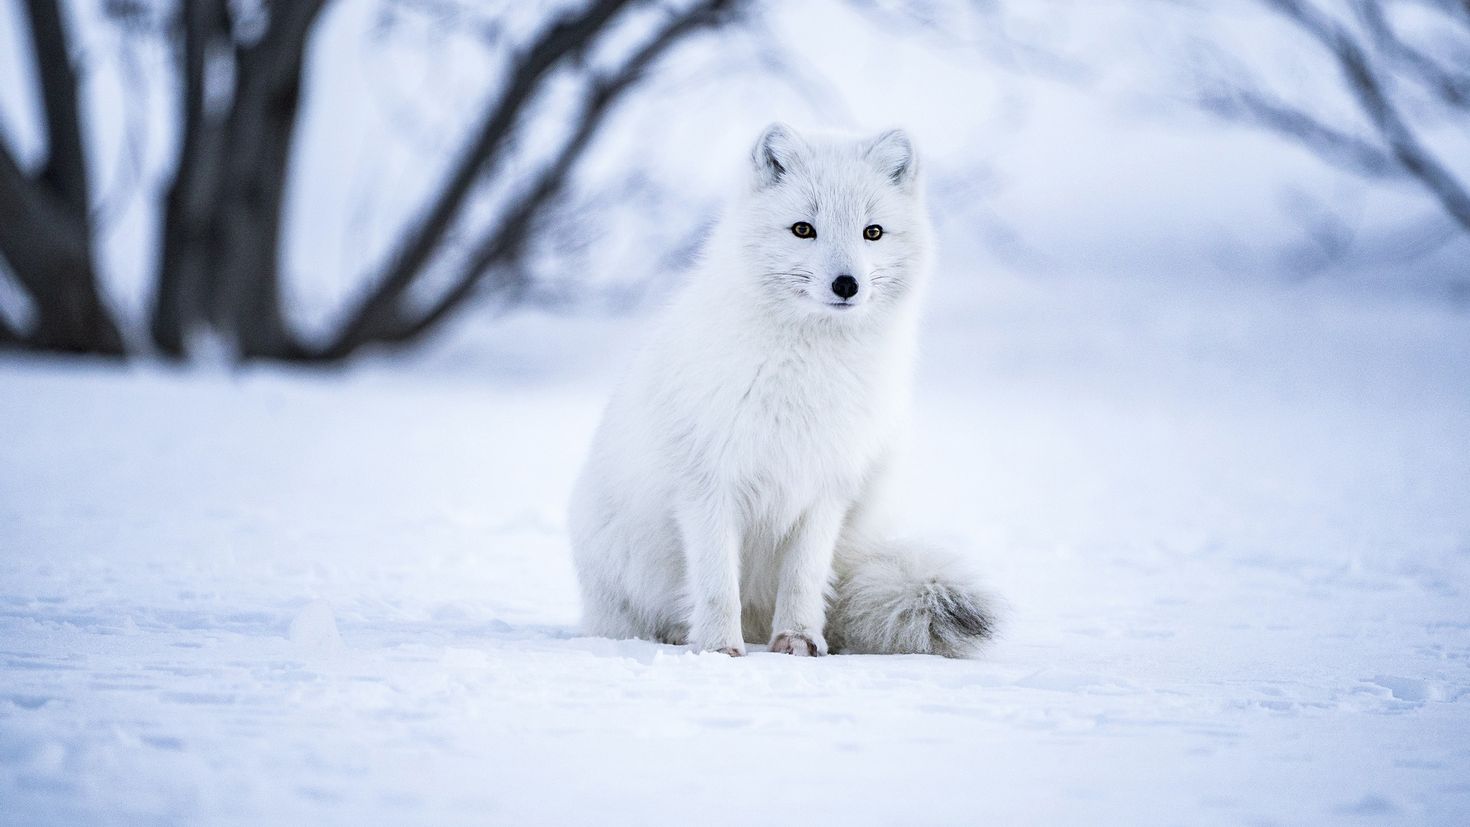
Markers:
point(220, 236)
point(1386, 75)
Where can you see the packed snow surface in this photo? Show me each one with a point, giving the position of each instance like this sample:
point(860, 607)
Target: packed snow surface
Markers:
point(1231, 528)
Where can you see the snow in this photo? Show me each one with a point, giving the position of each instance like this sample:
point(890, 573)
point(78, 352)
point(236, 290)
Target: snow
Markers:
point(1229, 524)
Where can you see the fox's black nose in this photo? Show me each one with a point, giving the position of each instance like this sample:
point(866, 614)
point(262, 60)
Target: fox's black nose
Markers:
point(844, 286)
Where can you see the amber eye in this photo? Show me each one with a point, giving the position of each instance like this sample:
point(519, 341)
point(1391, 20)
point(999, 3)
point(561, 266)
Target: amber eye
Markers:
point(801, 229)
point(872, 232)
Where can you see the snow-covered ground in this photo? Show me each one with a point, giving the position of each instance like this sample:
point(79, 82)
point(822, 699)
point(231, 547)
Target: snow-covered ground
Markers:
point(1231, 527)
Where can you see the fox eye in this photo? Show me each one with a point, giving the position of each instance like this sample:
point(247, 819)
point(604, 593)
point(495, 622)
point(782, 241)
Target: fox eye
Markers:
point(872, 232)
point(801, 229)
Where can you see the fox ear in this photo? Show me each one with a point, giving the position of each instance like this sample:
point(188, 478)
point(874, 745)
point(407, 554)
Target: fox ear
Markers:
point(893, 154)
point(774, 153)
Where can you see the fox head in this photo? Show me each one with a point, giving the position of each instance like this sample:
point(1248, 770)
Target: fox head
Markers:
point(834, 227)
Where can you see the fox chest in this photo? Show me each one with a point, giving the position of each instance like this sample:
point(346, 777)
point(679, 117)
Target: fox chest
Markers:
point(791, 436)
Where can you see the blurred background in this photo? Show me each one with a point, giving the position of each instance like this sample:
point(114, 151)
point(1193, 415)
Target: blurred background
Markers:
point(238, 180)
point(308, 310)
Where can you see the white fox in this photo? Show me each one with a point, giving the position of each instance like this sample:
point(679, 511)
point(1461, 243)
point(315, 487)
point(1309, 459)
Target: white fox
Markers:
point(730, 490)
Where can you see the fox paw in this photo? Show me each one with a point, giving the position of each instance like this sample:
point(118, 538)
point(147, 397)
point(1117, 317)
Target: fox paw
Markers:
point(734, 650)
point(800, 644)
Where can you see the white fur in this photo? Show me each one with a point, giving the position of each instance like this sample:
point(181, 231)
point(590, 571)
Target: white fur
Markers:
point(746, 448)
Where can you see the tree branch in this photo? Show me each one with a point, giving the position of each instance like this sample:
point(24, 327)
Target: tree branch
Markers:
point(376, 313)
point(508, 240)
point(1342, 148)
point(1452, 88)
point(1368, 91)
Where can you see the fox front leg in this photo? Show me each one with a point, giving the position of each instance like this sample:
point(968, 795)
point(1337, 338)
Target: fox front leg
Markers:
point(801, 590)
point(712, 568)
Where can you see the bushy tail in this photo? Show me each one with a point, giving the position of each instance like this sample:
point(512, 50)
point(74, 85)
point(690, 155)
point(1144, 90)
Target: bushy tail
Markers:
point(892, 598)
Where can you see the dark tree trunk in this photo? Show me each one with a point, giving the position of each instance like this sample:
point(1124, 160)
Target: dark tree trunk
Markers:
point(9, 337)
point(45, 230)
point(184, 256)
point(49, 253)
point(219, 267)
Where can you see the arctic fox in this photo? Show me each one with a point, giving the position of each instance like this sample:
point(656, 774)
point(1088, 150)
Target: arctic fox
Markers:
point(729, 493)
